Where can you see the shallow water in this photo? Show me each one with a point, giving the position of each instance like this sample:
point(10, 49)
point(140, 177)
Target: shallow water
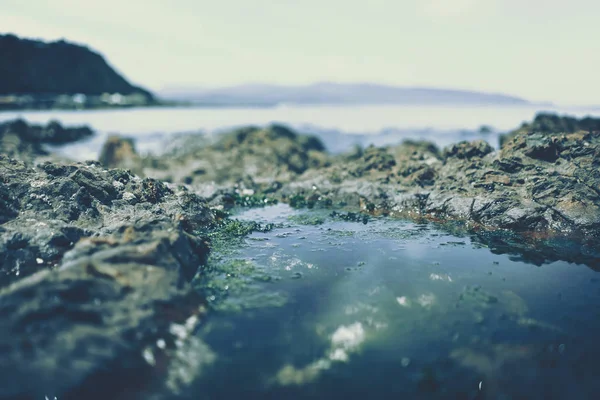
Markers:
point(324, 308)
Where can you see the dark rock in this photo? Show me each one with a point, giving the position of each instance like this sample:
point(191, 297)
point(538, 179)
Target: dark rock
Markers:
point(374, 159)
point(18, 139)
point(104, 311)
point(96, 262)
point(468, 150)
point(546, 123)
point(95, 269)
point(541, 185)
point(267, 154)
point(541, 147)
point(509, 164)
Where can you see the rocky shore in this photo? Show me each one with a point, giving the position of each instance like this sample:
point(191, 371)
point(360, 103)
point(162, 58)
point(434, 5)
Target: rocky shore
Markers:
point(96, 260)
point(542, 185)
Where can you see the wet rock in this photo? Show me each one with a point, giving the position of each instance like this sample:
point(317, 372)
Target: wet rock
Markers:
point(546, 123)
point(423, 176)
point(18, 139)
point(99, 311)
point(266, 154)
point(541, 186)
point(96, 262)
point(96, 267)
point(374, 159)
point(468, 150)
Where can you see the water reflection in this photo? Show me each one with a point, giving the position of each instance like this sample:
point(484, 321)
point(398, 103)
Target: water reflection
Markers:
point(393, 309)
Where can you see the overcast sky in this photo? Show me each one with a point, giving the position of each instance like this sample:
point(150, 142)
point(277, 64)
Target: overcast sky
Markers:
point(543, 50)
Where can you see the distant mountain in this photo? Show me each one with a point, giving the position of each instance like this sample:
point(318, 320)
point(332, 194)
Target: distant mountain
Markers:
point(334, 93)
point(32, 67)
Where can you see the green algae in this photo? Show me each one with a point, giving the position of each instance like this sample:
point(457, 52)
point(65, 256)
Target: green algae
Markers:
point(350, 217)
point(231, 232)
point(235, 285)
point(299, 201)
point(307, 219)
point(253, 200)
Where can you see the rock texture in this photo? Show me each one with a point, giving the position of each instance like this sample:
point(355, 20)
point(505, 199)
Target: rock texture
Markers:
point(95, 275)
point(541, 185)
point(24, 141)
point(545, 183)
point(252, 153)
point(551, 123)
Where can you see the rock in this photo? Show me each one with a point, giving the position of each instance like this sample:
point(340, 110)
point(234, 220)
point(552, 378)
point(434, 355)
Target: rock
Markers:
point(541, 147)
point(468, 150)
point(374, 159)
point(546, 123)
point(266, 154)
point(119, 152)
point(541, 186)
point(99, 311)
point(96, 265)
point(18, 139)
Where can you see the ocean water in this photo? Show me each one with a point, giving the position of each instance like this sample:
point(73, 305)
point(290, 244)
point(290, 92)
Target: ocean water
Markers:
point(340, 127)
point(391, 309)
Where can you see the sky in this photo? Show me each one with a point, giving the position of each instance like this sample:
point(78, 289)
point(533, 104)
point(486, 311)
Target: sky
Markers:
point(542, 50)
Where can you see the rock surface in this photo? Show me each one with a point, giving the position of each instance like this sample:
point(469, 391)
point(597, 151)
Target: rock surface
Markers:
point(24, 141)
point(95, 275)
point(551, 123)
point(541, 185)
point(252, 154)
point(545, 183)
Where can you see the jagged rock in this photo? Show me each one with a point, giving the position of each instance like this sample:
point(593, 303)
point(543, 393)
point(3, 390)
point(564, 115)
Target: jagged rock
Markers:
point(374, 159)
point(551, 123)
point(96, 265)
point(468, 150)
point(541, 185)
point(266, 154)
point(96, 262)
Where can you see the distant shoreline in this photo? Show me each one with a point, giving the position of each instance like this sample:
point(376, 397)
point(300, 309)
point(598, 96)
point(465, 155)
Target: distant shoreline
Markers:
point(41, 106)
